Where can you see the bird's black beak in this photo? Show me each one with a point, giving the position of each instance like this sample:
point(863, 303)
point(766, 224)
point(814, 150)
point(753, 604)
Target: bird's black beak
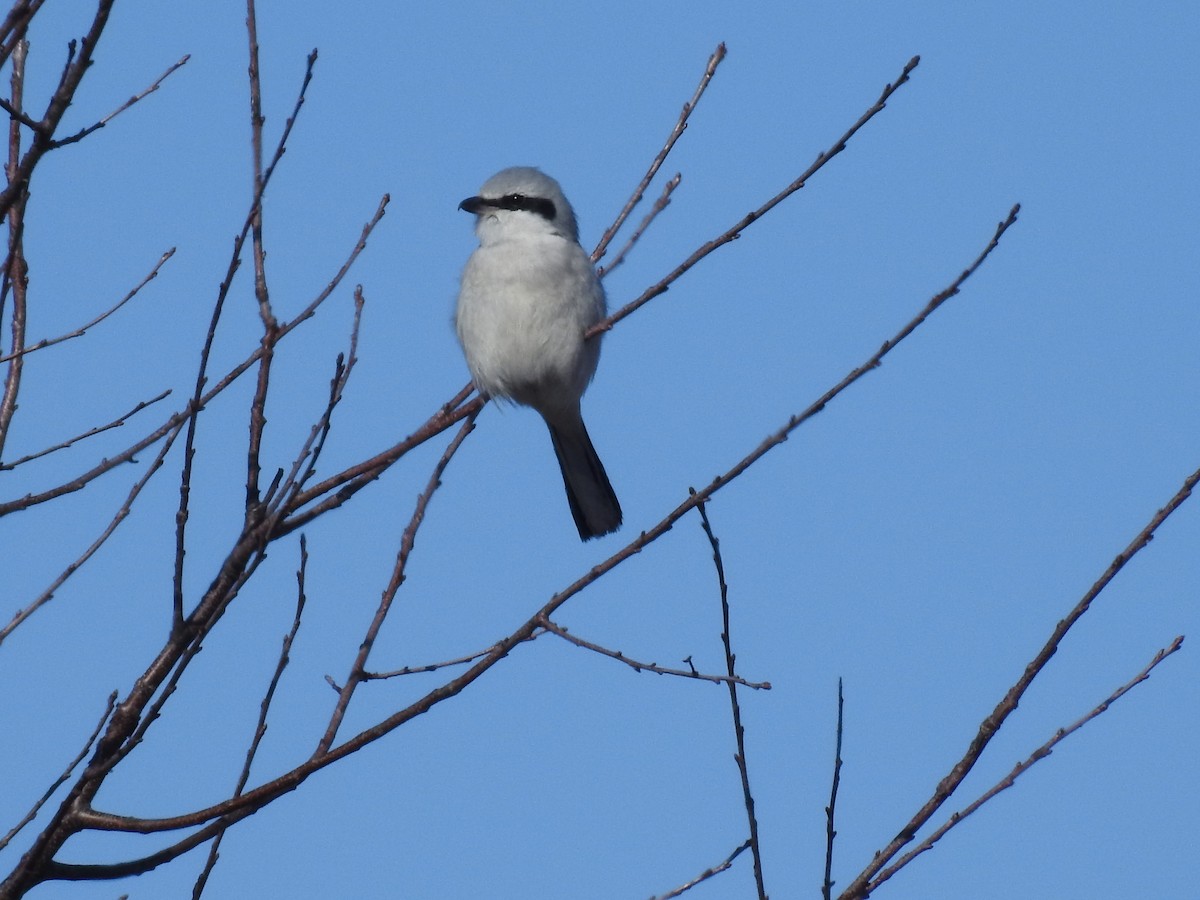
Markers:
point(473, 205)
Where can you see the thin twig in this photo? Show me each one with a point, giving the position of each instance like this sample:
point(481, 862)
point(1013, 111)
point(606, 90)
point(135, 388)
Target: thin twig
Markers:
point(992, 724)
point(82, 133)
point(91, 432)
point(337, 489)
point(282, 499)
point(739, 731)
point(431, 429)
point(563, 633)
point(660, 204)
point(428, 667)
point(830, 831)
point(61, 779)
point(407, 542)
point(705, 875)
point(260, 728)
point(656, 164)
point(734, 232)
point(47, 595)
point(83, 329)
point(72, 74)
point(185, 479)
point(1020, 768)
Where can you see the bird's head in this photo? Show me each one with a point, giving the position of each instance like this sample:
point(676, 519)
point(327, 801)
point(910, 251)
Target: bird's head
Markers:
point(521, 199)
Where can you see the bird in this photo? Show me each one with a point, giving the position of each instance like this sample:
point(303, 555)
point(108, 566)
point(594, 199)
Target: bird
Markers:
point(527, 295)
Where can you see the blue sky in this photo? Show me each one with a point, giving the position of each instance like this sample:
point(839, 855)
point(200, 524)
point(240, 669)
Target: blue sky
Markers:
point(919, 538)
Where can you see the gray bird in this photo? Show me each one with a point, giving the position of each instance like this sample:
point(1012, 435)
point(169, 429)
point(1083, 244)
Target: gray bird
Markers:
point(528, 294)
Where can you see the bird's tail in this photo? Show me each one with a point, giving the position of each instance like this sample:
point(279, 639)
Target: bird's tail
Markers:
point(593, 501)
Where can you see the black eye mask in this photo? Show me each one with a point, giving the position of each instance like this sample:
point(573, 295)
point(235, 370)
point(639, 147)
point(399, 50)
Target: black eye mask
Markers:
point(540, 205)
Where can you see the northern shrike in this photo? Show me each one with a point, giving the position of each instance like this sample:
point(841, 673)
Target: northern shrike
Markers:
point(528, 294)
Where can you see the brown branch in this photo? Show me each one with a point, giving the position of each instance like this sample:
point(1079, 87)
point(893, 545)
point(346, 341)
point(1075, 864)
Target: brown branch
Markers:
point(128, 455)
point(992, 724)
point(72, 75)
point(61, 779)
point(260, 728)
point(16, 270)
point(57, 871)
point(141, 707)
point(637, 666)
point(407, 542)
point(258, 418)
point(1020, 768)
point(106, 465)
point(84, 132)
point(830, 832)
point(660, 204)
point(91, 432)
point(734, 232)
point(20, 115)
point(304, 466)
point(202, 372)
point(705, 875)
point(83, 329)
point(337, 489)
point(680, 126)
point(15, 25)
point(428, 667)
point(47, 595)
point(739, 732)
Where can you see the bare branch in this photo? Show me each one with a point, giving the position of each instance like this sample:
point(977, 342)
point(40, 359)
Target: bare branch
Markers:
point(830, 832)
point(81, 134)
point(990, 725)
point(734, 232)
point(260, 728)
point(428, 667)
point(738, 731)
point(17, 114)
point(339, 488)
point(47, 595)
point(680, 126)
point(563, 633)
point(705, 875)
point(1020, 768)
point(61, 779)
point(304, 466)
point(14, 26)
point(99, 429)
point(407, 541)
point(128, 455)
point(101, 468)
point(72, 75)
point(660, 204)
point(16, 270)
point(202, 373)
point(258, 418)
point(83, 329)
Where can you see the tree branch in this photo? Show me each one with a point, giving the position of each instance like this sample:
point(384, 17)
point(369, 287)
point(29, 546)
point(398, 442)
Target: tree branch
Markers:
point(990, 725)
